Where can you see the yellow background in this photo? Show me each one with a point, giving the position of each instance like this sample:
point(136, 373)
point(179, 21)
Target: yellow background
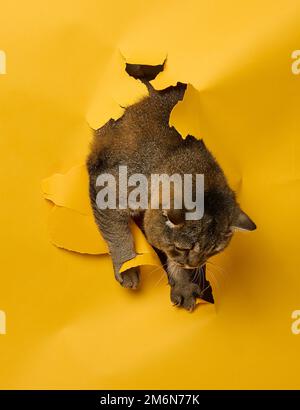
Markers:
point(69, 325)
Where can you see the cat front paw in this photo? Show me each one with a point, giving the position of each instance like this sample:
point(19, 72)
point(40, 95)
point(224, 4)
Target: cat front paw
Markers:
point(185, 295)
point(130, 278)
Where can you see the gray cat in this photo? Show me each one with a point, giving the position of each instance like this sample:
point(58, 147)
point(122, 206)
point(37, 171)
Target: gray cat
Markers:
point(143, 141)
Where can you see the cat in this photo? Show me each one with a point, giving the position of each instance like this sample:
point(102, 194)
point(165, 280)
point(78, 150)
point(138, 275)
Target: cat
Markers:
point(143, 141)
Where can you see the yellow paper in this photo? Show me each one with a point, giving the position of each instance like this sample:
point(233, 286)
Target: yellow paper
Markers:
point(69, 190)
point(71, 222)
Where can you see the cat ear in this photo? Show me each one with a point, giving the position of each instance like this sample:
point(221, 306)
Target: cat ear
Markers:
point(242, 222)
point(175, 217)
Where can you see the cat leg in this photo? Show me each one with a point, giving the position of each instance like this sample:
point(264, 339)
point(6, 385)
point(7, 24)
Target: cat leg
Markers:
point(184, 288)
point(114, 227)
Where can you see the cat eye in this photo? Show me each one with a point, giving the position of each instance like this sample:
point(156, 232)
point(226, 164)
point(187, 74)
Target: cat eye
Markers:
point(181, 249)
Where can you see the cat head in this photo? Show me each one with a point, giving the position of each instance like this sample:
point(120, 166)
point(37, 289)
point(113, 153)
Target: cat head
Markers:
point(189, 243)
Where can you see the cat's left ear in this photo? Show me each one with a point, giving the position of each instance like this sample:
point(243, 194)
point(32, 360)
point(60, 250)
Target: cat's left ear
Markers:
point(242, 222)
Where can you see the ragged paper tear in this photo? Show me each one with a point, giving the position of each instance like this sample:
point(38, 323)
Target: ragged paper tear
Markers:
point(205, 68)
point(69, 190)
point(71, 222)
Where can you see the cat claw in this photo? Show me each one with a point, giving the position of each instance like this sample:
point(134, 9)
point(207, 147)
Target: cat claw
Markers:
point(185, 296)
point(176, 301)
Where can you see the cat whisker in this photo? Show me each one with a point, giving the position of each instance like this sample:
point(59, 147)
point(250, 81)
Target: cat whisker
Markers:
point(163, 275)
point(163, 266)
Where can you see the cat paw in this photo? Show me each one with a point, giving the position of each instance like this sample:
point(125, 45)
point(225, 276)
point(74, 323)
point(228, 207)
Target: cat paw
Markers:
point(185, 295)
point(130, 278)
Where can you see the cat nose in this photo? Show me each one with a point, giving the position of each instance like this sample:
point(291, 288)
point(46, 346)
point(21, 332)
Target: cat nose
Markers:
point(196, 261)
